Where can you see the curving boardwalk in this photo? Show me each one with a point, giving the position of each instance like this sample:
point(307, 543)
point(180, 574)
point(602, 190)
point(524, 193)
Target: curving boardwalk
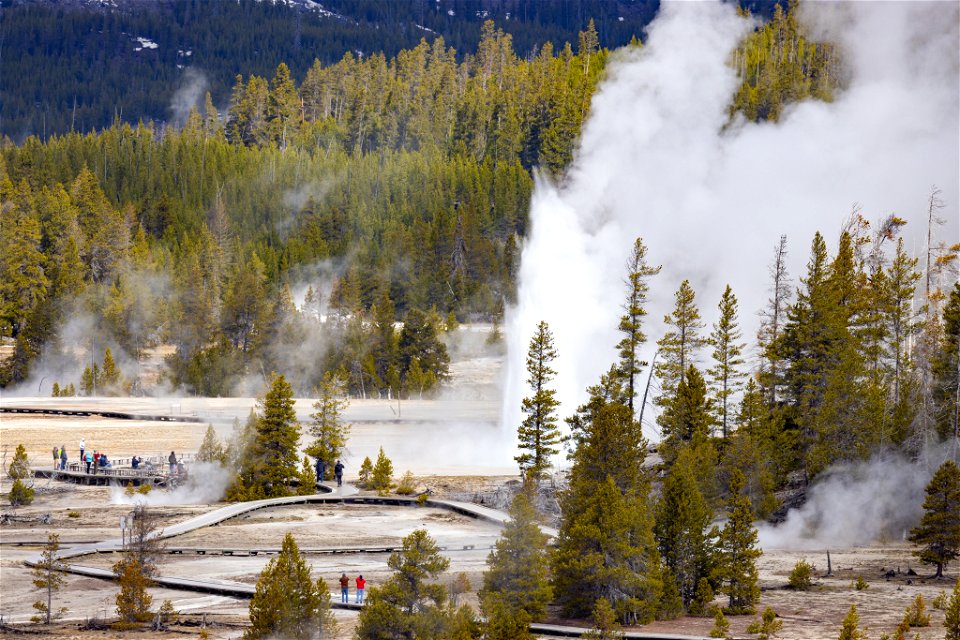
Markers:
point(348, 494)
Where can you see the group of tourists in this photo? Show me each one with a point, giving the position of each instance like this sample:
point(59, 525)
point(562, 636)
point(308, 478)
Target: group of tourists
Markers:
point(345, 587)
point(91, 461)
point(321, 467)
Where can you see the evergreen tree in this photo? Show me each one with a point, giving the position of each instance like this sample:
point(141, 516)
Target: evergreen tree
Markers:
point(287, 602)
point(272, 464)
point(938, 533)
point(772, 323)
point(410, 604)
point(109, 374)
point(19, 468)
point(952, 614)
point(945, 370)
point(766, 626)
point(638, 275)
point(23, 282)
point(539, 434)
point(605, 626)
point(381, 477)
point(851, 626)
point(365, 473)
point(418, 340)
point(605, 547)
point(20, 492)
point(736, 562)
point(687, 415)
point(211, 449)
point(133, 601)
point(517, 579)
point(306, 479)
point(679, 345)
point(329, 432)
point(47, 576)
point(727, 357)
point(682, 528)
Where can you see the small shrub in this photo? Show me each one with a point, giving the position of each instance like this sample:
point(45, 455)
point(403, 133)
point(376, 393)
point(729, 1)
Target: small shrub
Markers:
point(20, 494)
point(721, 628)
point(940, 602)
point(801, 578)
point(144, 489)
point(916, 614)
point(407, 485)
point(860, 584)
point(129, 490)
point(422, 499)
point(73, 514)
point(382, 478)
point(366, 470)
point(767, 625)
point(167, 615)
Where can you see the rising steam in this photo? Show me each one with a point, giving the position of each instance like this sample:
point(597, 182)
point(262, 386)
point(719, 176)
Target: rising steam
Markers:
point(657, 161)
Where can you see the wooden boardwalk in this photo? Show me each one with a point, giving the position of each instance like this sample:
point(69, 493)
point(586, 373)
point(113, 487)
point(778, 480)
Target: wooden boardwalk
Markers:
point(343, 495)
point(118, 415)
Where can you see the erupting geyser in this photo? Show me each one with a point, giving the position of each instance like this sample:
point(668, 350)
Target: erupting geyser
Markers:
point(659, 158)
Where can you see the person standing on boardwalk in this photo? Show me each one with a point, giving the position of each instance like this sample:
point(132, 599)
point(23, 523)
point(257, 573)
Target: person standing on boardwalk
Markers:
point(344, 588)
point(338, 471)
point(63, 458)
point(361, 585)
point(321, 470)
point(83, 447)
point(173, 462)
point(88, 459)
point(96, 461)
point(56, 457)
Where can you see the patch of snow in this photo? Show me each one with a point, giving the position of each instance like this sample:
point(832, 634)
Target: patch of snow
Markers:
point(146, 43)
point(620, 18)
point(483, 14)
point(423, 28)
point(451, 12)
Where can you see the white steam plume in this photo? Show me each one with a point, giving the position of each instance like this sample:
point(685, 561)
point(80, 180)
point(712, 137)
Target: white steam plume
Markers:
point(711, 202)
point(856, 504)
point(192, 87)
point(206, 484)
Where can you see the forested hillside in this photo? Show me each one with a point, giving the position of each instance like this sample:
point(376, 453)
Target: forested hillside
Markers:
point(379, 187)
point(78, 66)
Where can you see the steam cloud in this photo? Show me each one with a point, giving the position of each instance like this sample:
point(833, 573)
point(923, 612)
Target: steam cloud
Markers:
point(193, 85)
point(856, 504)
point(206, 485)
point(711, 201)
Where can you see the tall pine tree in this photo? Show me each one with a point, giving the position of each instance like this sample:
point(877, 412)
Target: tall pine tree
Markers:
point(538, 433)
point(631, 323)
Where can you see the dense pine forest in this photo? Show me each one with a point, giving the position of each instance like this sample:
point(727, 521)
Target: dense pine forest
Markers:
point(314, 226)
point(369, 189)
point(79, 66)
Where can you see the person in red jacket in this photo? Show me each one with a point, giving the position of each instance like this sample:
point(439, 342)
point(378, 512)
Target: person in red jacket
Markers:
point(361, 585)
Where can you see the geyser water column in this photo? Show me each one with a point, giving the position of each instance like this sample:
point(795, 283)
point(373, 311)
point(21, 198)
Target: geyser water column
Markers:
point(573, 263)
point(660, 159)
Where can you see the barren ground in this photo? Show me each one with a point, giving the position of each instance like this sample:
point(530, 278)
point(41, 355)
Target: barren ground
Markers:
point(809, 615)
point(455, 449)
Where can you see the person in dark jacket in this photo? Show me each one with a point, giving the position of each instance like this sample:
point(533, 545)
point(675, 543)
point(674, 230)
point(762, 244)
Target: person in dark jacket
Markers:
point(338, 471)
point(63, 458)
point(344, 588)
point(173, 462)
point(321, 470)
